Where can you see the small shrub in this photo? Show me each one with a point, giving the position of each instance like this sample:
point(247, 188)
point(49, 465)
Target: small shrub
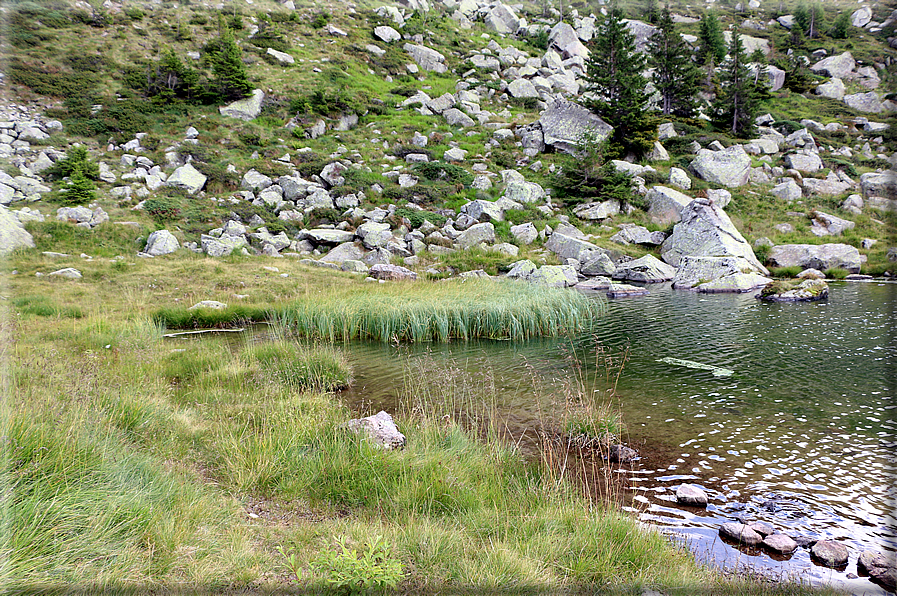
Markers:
point(417, 218)
point(163, 208)
point(762, 252)
point(76, 159)
point(372, 569)
point(525, 103)
point(438, 170)
point(321, 19)
point(785, 272)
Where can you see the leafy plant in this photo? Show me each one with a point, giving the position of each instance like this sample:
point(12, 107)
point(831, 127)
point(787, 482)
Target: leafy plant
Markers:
point(349, 570)
point(76, 159)
point(292, 563)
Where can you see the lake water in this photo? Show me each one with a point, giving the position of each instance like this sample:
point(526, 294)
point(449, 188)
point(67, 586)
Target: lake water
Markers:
point(800, 435)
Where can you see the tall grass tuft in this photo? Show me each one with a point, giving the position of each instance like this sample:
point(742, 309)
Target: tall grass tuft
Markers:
point(441, 312)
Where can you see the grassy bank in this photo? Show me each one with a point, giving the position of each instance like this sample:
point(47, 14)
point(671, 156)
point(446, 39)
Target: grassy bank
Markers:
point(137, 462)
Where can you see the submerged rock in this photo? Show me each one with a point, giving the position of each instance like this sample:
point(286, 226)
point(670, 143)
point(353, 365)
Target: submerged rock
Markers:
point(877, 566)
point(625, 290)
point(780, 543)
point(379, 428)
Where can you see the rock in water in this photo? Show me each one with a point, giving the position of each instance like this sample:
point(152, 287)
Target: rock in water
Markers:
point(878, 568)
point(809, 290)
point(380, 428)
point(689, 494)
point(706, 231)
point(780, 543)
point(740, 533)
point(622, 454)
point(717, 274)
point(829, 553)
point(816, 256)
point(12, 233)
point(647, 269)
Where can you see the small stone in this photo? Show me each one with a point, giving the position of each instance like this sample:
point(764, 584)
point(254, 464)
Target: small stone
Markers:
point(780, 543)
point(740, 533)
point(689, 494)
point(68, 273)
point(829, 553)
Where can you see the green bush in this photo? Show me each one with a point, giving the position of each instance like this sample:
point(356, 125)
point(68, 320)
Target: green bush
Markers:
point(372, 569)
point(55, 84)
point(76, 159)
point(321, 19)
point(785, 272)
point(439, 170)
point(164, 208)
point(836, 273)
point(417, 218)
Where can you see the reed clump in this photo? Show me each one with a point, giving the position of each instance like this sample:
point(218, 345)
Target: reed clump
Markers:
point(441, 311)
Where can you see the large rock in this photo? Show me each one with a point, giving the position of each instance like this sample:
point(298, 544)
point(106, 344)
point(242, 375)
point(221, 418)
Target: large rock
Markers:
point(879, 184)
point(348, 251)
point(476, 235)
point(834, 89)
point(829, 553)
point(187, 178)
point(491, 209)
point(865, 102)
point(426, 58)
point(13, 234)
point(522, 88)
point(706, 231)
point(520, 191)
point(568, 247)
point(601, 264)
point(387, 34)
point(809, 290)
point(740, 533)
point(647, 269)
point(816, 256)
point(456, 117)
point(787, 191)
point(255, 181)
point(666, 204)
point(780, 543)
point(839, 66)
point(502, 19)
point(633, 234)
point(728, 167)
point(392, 272)
point(326, 236)
point(689, 494)
point(714, 275)
point(564, 39)
point(825, 224)
point(597, 211)
point(281, 57)
point(161, 242)
point(554, 276)
point(245, 109)
point(641, 31)
point(380, 428)
point(803, 162)
point(879, 568)
point(524, 233)
point(861, 17)
point(564, 122)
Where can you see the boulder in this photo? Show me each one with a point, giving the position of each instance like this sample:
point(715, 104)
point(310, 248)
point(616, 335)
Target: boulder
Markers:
point(666, 204)
point(569, 247)
point(714, 275)
point(524, 233)
point(861, 17)
point(740, 533)
point(523, 192)
point(809, 290)
point(392, 272)
point(829, 225)
point(327, 236)
point(641, 32)
point(647, 269)
point(780, 543)
point(374, 234)
point(689, 494)
point(332, 174)
point(787, 191)
point(816, 256)
point(387, 34)
point(13, 234)
point(426, 58)
point(491, 209)
point(348, 251)
point(208, 304)
point(565, 40)
point(706, 231)
point(719, 196)
point(833, 89)
point(522, 269)
point(522, 88)
point(879, 184)
point(597, 211)
point(502, 19)
point(879, 568)
point(564, 122)
point(456, 117)
point(728, 167)
point(380, 428)
point(161, 242)
point(599, 264)
point(187, 178)
point(255, 181)
point(658, 153)
point(67, 273)
point(803, 162)
point(680, 178)
point(476, 235)
point(839, 66)
point(223, 246)
point(625, 291)
point(633, 234)
point(865, 102)
point(829, 553)
point(281, 57)
point(554, 276)
point(245, 109)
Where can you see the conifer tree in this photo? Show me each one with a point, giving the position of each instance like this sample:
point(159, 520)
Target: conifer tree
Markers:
point(676, 77)
point(809, 19)
point(616, 86)
point(711, 42)
point(736, 103)
point(80, 189)
point(841, 27)
point(231, 80)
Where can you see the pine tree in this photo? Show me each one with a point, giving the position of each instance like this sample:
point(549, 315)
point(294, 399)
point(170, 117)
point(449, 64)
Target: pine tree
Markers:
point(652, 14)
point(736, 103)
point(616, 86)
point(80, 189)
point(841, 26)
point(809, 19)
point(675, 76)
point(711, 40)
point(231, 80)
